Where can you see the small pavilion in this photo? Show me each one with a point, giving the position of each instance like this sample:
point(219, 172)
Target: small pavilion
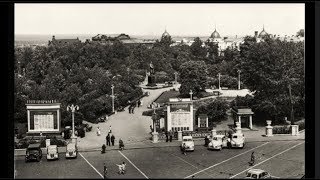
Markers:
point(243, 115)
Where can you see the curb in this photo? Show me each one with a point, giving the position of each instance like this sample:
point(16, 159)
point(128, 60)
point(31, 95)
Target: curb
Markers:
point(148, 146)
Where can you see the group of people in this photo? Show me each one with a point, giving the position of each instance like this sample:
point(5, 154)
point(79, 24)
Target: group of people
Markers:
point(169, 136)
point(134, 105)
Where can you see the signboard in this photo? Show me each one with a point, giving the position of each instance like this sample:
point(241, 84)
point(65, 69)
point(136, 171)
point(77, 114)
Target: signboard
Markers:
point(203, 121)
point(180, 119)
point(43, 120)
point(181, 107)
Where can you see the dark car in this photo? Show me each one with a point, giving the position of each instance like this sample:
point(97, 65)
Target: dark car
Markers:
point(33, 152)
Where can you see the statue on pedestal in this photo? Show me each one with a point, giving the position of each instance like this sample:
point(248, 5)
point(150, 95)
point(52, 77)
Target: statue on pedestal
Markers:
point(151, 68)
point(151, 76)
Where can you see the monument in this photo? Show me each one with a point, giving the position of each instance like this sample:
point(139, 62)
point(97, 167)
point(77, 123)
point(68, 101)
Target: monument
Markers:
point(151, 76)
point(44, 117)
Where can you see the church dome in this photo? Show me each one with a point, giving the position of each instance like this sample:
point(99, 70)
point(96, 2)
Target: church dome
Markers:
point(165, 33)
point(215, 34)
point(263, 33)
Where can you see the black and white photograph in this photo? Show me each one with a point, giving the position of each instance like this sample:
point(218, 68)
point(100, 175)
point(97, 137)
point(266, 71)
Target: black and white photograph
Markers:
point(159, 90)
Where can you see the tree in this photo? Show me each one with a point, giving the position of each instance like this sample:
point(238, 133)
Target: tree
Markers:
point(197, 49)
point(193, 75)
point(213, 52)
point(267, 68)
point(216, 110)
point(300, 33)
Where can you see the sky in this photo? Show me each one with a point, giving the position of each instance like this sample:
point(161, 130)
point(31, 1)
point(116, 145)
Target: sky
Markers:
point(152, 19)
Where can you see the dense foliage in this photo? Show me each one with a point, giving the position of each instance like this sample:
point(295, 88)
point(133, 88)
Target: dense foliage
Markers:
point(83, 73)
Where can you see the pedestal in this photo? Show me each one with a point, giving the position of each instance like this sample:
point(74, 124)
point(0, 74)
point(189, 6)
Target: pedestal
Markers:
point(179, 135)
point(74, 140)
point(47, 142)
point(213, 132)
point(238, 128)
point(294, 130)
point(269, 129)
point(155, 137)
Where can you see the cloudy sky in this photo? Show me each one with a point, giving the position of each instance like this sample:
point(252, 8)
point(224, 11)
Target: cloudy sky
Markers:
point(152, 19)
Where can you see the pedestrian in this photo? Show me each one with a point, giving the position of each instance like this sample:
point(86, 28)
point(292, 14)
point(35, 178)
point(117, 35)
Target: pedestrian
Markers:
point(112, 139)
point(133, 110)
point(130, 109)
point(170, 136)
point(183, 148)
point(98, 131)
point(206, 141)
point(252, 159)
point(139, 103)
point(103, 149)
point(151, 128)
point(167, 137)
point(121, 145)
point(108, 140)
point(110, 129)
point(104, 171)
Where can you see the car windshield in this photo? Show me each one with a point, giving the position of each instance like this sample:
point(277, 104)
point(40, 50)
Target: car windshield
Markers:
point(187, 139)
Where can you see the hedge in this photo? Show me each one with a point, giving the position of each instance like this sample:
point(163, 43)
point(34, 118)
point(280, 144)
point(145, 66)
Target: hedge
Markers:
point(301, 124)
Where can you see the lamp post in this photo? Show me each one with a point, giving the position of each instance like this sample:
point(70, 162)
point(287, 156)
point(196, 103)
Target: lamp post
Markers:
point(72, 108)
point(239, 71)
point(191, 94)
point(112, 97)
point(292, 114)
point(175, 77)
point(219, 80)
point(154, 116)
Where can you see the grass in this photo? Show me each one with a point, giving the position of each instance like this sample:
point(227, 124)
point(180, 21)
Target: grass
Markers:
point(164, 97)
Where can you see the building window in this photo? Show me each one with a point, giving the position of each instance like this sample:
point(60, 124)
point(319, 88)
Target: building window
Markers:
point(187, 128)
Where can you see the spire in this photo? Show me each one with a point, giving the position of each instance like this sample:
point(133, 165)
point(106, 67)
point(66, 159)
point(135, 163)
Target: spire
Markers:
point(263, 28)
point(215, 27)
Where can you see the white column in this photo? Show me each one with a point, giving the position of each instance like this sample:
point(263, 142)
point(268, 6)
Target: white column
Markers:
point(168, 118)
point(250, 121)
point(207, 121)
point(239, 119)
point(198, 122)
point(191, 118)
point(28, 114)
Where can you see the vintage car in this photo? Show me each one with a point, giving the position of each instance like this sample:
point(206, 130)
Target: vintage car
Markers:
point(188, 142)
point(52, 152)
point(71, 150)
point(237, 140)
point(218, 142)
point(258, 174)
point(33, 152)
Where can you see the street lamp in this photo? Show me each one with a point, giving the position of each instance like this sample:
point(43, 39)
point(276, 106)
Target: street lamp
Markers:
point(219, 80)
point(154, 117)
point(72, 108)
point(190, 94)
point(292, 114)
point(112, 97)
point(239, 71)
point(175, 77)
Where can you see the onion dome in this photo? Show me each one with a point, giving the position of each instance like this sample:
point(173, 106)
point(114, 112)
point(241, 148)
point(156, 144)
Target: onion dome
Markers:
point(165, 33)
point(263, 33)
point(215, 34)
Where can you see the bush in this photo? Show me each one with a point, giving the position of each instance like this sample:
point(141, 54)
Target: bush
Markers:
point(281, 130)
point(301, 124)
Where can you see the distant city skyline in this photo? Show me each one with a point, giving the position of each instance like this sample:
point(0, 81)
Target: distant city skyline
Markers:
point(153, 19)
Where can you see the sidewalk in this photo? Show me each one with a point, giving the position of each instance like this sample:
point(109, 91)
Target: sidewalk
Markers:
point(174, 143)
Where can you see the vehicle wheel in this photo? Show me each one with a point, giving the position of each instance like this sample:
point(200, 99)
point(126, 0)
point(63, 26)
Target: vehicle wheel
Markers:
point(220, 148)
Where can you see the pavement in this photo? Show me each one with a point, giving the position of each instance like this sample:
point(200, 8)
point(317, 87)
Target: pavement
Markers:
point(284, 159)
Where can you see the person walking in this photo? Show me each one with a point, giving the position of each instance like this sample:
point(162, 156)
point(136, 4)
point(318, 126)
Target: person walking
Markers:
point(252, 159)
point(108, 140)
point(170, 136)
point(112, 139)
point(130, 109)
point(121, 145)
point(139, 103)
point(104, 171)
point(98, 131)
point(167, 137)
point(183, 148)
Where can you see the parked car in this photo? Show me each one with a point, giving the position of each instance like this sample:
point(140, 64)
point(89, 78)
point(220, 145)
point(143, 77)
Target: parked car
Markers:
point(33, 152)
point(71, 150)
point(237, 140)
point(188, 141)
point(258, 174)
point(218, 142)
point(52, 152)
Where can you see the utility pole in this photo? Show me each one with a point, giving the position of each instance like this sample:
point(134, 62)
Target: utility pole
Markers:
point(291, 102)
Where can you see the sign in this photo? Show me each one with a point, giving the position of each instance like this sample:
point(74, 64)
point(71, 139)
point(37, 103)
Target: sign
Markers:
point(43, 120)
point(181, 107)
point(203, 121)
point(41, 101)
point(180, 119)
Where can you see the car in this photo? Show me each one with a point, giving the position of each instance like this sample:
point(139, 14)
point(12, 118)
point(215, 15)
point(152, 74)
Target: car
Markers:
point(257, 174)
point(71, 150)
point(188, 142)
point(218, 142)
point(33, 152)
point(237, 140)
point(52, 152)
